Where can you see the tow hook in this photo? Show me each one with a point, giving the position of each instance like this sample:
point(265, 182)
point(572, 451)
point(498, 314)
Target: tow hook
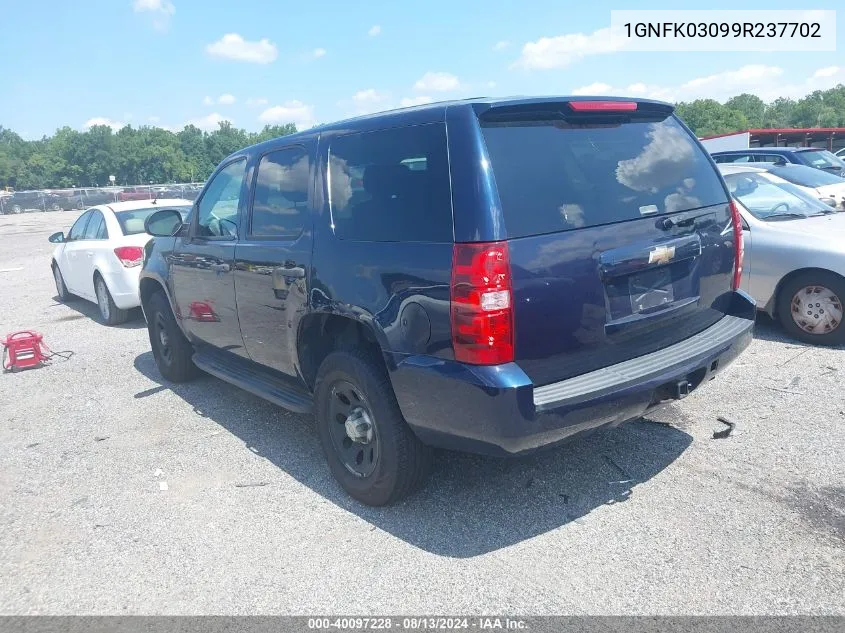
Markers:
point(682, 389)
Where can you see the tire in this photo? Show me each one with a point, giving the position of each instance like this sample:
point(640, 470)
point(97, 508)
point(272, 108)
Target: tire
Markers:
point(172, 352)
point(62, 292)
point(394, 461)
point(16, 209)
point(810, 307)
point(109, 312)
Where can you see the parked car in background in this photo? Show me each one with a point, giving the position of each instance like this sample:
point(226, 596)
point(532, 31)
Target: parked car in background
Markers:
point(809, 156)
point(794, 263)
point(825, 186)
point(100, 257)
point(142, 192)
point(550, 267)
point(29, 201)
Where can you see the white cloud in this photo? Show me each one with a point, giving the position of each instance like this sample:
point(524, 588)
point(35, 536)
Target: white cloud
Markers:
point(226, 99)
point(154, 119)
point(501, 45)
point(366, 102)
point(253, 102)
point(437, 82)
point(562, 50)
point(596, 88)
point(208, 101)
point(375, 29)
point(101, 120)
point(412, 101)
point(767, 82)
point(317, 53)
point(209, 122)
point(830, 71)
point(160, 10)
point(295, 112)
point(233, 46)
point(491, 84)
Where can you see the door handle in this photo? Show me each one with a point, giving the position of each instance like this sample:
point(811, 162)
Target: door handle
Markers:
point(220, 268)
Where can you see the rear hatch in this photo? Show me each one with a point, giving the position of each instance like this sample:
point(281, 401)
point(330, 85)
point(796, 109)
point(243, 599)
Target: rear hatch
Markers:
point(619, 231)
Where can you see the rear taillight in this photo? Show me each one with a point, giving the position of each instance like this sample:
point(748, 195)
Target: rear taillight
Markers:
point(482, 310)
point(130, 256)
point(603, 106)
point(739, 245)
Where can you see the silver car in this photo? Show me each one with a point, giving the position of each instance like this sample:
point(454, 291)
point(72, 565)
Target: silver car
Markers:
point(794, 264)
point(827, 187)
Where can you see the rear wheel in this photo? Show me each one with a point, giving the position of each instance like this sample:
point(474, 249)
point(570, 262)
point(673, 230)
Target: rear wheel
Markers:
point(172, 351)
point(810, 307)
point(110, 313)
point(371, 450)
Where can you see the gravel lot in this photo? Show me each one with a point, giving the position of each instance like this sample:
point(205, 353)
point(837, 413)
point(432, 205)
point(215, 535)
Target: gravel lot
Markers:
point(656, 517)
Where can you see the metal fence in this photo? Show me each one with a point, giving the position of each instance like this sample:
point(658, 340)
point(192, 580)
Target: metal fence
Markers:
point(80, 198)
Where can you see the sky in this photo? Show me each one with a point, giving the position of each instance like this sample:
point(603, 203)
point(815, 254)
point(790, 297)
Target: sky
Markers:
point(172, 62)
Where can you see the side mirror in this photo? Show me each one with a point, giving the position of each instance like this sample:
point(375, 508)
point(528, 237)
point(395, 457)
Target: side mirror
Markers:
point(57, 238)
point(830, 202)
point(164, 223)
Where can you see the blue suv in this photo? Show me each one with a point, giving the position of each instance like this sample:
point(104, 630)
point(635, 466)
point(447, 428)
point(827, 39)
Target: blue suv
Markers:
point(809, 156)
point(486, 275)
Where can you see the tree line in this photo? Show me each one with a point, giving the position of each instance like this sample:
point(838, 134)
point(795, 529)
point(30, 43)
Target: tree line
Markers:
point(70, 158)
point(821, 108)
point(140, 155)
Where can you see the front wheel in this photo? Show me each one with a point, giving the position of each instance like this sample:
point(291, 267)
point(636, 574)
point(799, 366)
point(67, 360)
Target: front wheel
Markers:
point(111, 314)
point(371, 450)
point(61, 289)
point(172, 351)
point(810, 308)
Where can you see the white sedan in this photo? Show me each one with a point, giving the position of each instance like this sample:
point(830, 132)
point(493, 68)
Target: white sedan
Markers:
point(100, 258)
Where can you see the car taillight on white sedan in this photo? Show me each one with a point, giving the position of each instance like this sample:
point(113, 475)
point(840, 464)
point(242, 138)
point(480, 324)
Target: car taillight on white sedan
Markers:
point(130, 256)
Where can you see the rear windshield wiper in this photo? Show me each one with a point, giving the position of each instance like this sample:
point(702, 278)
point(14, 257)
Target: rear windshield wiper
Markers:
point(784, 215)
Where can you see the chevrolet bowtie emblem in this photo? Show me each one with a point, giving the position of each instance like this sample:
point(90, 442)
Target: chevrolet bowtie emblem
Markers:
point(661, 254)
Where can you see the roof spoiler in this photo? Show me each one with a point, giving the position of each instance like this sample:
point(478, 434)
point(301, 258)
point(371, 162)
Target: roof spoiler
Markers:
point(568, 108)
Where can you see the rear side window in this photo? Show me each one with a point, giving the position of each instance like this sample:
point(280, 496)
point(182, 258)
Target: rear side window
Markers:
point(96, 227)
point(280, 204)
point(391, 185)
point(562, 175)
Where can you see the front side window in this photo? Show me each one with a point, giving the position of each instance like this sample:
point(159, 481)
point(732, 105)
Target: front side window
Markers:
point(280, 203)
point(820, 159)
point(391, 185)
point(218, 209)
point(78, 228)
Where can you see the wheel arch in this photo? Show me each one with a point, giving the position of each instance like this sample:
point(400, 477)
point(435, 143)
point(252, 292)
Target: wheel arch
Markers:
point(321, 333)
point(772, 306)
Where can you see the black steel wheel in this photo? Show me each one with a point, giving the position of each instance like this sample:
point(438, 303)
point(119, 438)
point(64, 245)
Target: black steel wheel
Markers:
point(353, 430)
point(371, 450)
point(172, 351)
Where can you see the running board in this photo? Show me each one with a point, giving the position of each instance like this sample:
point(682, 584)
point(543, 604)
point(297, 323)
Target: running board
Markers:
point(255, 381)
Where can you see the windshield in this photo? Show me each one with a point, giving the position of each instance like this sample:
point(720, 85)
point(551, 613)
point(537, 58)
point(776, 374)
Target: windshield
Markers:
point(132, 222)
point(820, 159)
point(806, 176)
point(768, 197)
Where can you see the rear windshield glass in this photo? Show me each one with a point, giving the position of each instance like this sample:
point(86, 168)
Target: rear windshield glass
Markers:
point(807, 176)
point(820, 159)
point(558, 176)
point(132, 222)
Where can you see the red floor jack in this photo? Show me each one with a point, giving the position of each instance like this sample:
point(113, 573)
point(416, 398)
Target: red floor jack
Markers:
point(26, 349)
